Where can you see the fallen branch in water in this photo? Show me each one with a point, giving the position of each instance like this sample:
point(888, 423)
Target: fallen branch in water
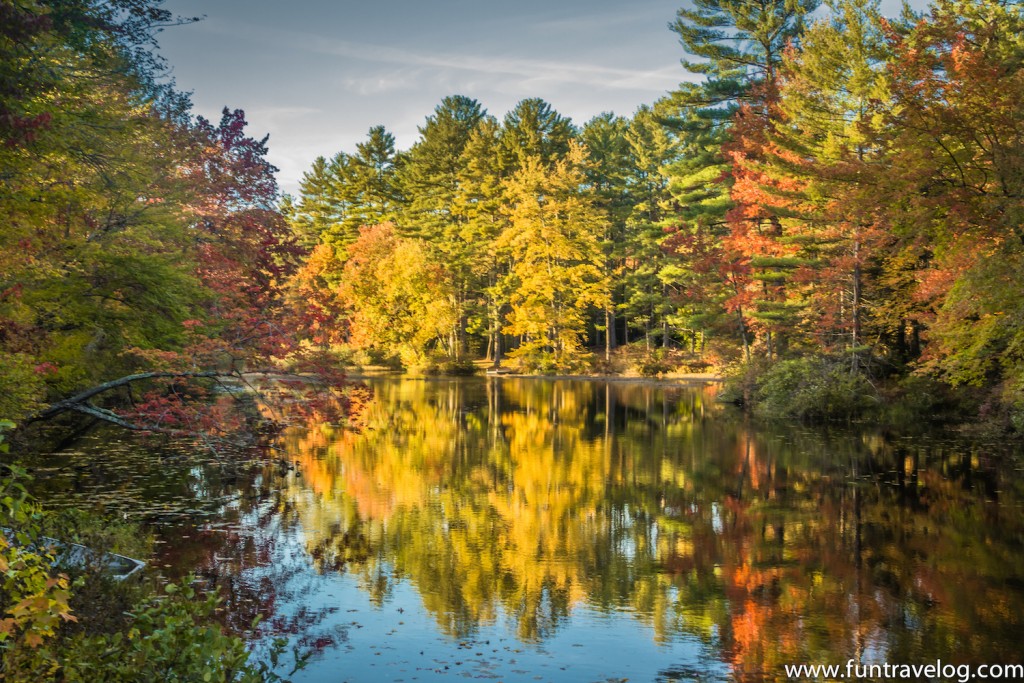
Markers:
point(80, 401)
point(181, 414)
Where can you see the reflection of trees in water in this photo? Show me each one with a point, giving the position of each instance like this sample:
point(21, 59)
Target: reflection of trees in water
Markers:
point(799, 545)
point(249, 556)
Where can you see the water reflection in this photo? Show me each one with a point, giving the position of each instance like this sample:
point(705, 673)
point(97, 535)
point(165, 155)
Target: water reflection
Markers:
point(578, 530)
point(528, 500)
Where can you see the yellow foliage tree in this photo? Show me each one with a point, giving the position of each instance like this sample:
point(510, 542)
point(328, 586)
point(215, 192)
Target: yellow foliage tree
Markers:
point(556, 265)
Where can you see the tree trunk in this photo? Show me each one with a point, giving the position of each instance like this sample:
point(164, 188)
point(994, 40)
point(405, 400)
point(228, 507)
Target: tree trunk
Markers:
point(609, 333)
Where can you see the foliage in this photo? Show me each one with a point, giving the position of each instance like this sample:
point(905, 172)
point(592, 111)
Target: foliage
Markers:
point(555, 257)
point(137, 238)
point(655, 364)
point(822, 186)
point(34, 598)
point(815, 387)
point(22, 384)
point(398, 298)
point(172, 637)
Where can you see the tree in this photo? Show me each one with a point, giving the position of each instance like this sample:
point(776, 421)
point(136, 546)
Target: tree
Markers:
point(955, 122)
point(824, 151)
point(556, 269)
point(340, 196)
point(479, 204)
point(431, 180)
point(741, 45)
point(398, 298)
point(430, 175)
point(318, 210)
point(374, 172)
point(533, 129)
point(608, 173)
point(141, 245)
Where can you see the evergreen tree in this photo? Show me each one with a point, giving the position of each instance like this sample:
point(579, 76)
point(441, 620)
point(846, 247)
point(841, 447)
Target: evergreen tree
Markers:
point(430, 175)
point(652, 149)
point(479, 202)
point(741, 45)
point(317, 210)
point(608, 172)
point(533, 129)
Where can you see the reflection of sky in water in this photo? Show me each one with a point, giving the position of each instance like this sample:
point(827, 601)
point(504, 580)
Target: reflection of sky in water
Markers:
point(397, 638)
point(393, 645)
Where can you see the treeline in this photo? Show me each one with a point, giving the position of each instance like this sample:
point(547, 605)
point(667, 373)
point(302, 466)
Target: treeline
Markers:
point(834, 184)
point(529, 236)
point(136, 237)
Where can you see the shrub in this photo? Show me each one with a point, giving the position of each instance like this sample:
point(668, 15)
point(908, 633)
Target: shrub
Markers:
point(813, 388)
point(451, 368)
point(171, 638)
point(654, 364)
point(22, 385)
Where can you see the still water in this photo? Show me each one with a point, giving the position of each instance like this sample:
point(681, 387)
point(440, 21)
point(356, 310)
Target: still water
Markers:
point(533, 530)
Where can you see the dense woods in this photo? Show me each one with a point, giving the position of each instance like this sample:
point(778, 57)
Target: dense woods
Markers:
point(832, 194)
point(833, 186)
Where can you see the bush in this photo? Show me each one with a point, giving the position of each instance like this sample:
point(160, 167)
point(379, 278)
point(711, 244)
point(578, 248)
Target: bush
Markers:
point(172, 638)
point(534, 362)
point(813, 388)
point(654, 364)
point(451, 368)
point(22, 385)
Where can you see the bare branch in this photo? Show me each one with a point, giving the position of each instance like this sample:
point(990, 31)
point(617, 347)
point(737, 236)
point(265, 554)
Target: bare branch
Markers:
point(82, 398)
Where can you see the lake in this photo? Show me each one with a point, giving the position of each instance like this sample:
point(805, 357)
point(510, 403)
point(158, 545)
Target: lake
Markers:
point(516, 529)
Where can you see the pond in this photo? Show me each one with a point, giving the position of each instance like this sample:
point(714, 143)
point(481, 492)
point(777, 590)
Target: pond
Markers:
point(517, 529)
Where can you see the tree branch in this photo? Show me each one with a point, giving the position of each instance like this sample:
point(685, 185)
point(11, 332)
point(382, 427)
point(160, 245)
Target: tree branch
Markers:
point(79, 401)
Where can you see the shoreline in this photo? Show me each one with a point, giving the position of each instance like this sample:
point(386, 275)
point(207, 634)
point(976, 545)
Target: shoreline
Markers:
point(675, 378)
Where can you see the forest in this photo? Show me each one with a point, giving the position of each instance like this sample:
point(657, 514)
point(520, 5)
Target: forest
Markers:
point(829, 210)
point(832, 194)
point(837, 196)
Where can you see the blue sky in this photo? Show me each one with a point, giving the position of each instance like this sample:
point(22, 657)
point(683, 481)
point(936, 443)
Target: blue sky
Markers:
point(316, 75)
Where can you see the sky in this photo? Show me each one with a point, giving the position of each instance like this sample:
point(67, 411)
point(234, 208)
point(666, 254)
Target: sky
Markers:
point(316, 75)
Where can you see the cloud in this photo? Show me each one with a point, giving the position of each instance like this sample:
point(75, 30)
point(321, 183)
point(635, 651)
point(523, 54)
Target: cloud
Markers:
point(611, 21)
point(529, 70)
point(272, 115)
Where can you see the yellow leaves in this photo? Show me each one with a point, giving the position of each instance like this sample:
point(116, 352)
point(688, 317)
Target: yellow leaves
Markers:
point(40, 602)
point(552, 242)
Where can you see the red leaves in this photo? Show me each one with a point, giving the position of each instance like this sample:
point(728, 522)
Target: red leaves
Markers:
point(46, 368)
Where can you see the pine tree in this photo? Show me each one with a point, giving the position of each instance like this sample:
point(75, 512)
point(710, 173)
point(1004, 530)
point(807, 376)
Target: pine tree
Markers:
point(430, 175)
point(479, 204)
point(608, 172)
point(741, 45)
point(533, 129)
point(374, 167)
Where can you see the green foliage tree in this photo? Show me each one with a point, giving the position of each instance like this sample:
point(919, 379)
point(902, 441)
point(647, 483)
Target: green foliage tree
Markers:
point(479, 202)
point(608, 172)
point(533, 129)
